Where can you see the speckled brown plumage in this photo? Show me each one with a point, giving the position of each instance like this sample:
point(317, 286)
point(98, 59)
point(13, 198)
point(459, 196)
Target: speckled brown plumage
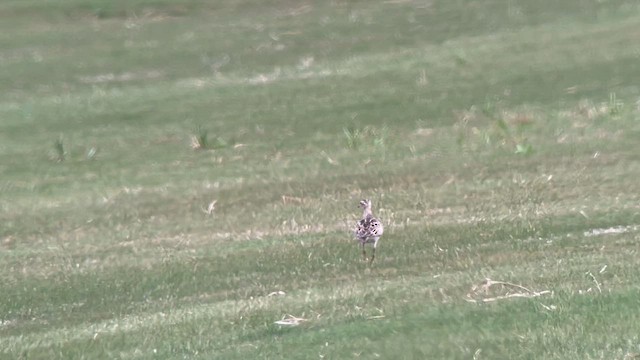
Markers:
point(368, 230)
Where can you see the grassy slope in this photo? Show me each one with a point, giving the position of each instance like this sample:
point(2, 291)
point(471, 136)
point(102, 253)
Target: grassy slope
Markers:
point(113, 256)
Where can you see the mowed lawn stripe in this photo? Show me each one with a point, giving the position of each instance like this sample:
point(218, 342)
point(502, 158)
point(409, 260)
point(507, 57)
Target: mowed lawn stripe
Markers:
point(294, 265)
point(238, 322)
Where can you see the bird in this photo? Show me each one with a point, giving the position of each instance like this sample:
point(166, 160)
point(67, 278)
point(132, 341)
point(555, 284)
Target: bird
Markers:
point(368, 230)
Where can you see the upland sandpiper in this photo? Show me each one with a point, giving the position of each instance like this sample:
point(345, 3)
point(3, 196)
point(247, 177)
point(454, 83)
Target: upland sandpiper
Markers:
point(368, 229)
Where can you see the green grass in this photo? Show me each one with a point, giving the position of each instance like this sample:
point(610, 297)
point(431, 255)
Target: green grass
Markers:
point(497, 139)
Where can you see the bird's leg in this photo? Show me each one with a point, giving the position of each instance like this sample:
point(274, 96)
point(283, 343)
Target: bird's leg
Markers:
point(364, 252)
point(373, 253)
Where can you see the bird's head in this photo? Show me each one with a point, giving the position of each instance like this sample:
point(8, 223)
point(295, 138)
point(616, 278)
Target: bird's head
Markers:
point(365, 203)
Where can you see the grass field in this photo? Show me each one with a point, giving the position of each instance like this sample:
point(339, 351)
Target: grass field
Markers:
point(497, 139)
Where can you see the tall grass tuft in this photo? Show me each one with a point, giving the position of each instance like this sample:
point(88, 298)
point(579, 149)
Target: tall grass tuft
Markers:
point(58, 148)
point(202, 141)
point(353, 136)
point(615, 105)
point(369, 136)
